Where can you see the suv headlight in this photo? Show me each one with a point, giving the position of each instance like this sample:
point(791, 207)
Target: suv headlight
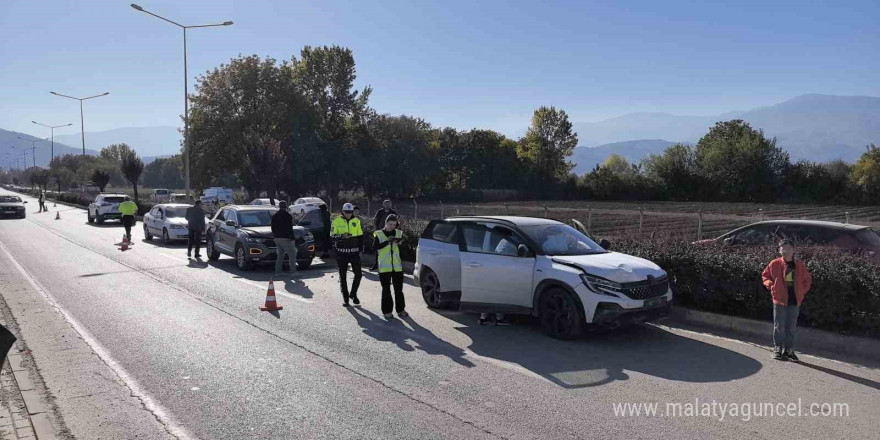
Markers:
point(601, 285)
point(256, 240)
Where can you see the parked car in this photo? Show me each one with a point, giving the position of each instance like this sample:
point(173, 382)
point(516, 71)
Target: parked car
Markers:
point(160, 195)
point(264, 202)
point(167, 220)
point(539, 267)
point(244, 232)
point(217, 194)
point(106, 207)
point(860, 239)
point(177, 198)
point(12, 206)
point(305, 204)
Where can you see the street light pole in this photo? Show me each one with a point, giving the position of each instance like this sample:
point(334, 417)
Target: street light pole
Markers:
point(33, 149)
point(52, 129)
point(185, 87)
point(82, 123)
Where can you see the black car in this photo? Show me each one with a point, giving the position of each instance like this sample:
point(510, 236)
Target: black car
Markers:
point(312, 221)
point(862, 240)
point(245, 233)
point(12, 206)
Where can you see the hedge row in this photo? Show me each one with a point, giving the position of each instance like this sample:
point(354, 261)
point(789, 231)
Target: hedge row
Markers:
point(844, 298)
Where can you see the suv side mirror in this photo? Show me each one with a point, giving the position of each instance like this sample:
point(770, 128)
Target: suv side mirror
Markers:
point(25, 201)
point(231, 223)
point(522, 251)
point(728, 241)
point(605, 244)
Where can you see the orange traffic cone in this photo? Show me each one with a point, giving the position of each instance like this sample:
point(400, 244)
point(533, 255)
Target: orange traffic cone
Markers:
point(271, 304)
point(57, 215)
point(124, 243)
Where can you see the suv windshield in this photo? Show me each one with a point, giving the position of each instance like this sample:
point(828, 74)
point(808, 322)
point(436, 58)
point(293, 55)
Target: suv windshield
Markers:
point(114, 199)
point(253, 217)
point(868, 237)
point(560, 239)
point(9, 199)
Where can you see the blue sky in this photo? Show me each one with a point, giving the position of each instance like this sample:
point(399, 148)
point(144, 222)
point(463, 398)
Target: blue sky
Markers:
point(465, 64)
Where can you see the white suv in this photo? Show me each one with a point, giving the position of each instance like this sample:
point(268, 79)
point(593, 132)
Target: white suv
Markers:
point(540, 267)
point(106, 207)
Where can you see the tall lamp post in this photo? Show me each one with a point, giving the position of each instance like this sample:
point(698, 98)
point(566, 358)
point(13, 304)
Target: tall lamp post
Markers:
point(81, 120)
point(52, 129)
point(33, 148)
point(185, 87)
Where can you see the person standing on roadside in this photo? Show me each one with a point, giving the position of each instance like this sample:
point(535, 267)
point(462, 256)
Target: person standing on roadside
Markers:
point(348, 235)
point(379, 223)
point(195, 223)
point(391, 267)
point(788, 280)
point(43, 202)
point(128, 209)
point(282, 230)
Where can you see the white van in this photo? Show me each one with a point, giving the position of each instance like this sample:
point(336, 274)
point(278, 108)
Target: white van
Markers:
point(217, 194)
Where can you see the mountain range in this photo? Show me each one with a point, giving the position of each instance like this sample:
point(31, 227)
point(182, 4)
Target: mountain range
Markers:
point(812, 127)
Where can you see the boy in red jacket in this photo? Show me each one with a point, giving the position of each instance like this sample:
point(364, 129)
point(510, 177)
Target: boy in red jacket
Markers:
point(788, 281)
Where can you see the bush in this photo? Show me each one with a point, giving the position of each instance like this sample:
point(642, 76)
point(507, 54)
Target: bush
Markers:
point(844, 298)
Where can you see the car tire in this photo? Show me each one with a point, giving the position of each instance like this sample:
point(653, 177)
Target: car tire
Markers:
point(213, 253)
point(166, 240)
point(560, 314)
point(147, 235)
point(304, 265)
point(241, 259)
point(99, 219)
point(430, 285)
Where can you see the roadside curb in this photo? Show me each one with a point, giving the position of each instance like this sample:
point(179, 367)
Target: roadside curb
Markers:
point(37, 410)
point(809, 339)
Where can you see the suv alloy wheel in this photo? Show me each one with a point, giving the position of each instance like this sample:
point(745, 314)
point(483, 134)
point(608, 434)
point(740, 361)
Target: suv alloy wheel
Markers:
point(561, 316)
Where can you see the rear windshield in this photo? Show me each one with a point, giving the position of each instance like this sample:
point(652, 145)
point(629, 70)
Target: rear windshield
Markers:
point(161, 192)
point(115, 199)
point(868, 237)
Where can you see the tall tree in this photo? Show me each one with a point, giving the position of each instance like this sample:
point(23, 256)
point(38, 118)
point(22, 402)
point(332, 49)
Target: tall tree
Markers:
point(866, 173)
point(132, 166)
point(739, 163)
point(100, 178)
point(674, 171)
point(547, 145)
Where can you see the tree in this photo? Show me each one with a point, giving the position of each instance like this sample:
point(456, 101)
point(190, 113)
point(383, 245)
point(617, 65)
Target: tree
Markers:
point(549, 141)
point(618, 165)
point(264, 165)
point(866, 173)
point(132, 166)
point(63, 178)
point(100, 178)
point(739, 164)
point(675, 172)
point(164, 173)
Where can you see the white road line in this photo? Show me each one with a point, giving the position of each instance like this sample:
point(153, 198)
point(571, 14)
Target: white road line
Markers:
point(162, 415)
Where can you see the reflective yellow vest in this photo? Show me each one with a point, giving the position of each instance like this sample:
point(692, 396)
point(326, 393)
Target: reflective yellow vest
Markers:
point(389, 256)
point(352, 226)
point(128, 208)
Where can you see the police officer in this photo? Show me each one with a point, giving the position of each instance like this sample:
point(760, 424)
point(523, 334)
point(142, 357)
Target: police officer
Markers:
point(128, 209)
point(348, 236)
point(391, 268)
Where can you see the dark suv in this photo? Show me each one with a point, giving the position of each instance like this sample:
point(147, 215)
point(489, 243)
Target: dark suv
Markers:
point(245, 233)
point(859, 239)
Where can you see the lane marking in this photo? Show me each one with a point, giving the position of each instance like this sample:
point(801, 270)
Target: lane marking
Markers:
point(162, 415)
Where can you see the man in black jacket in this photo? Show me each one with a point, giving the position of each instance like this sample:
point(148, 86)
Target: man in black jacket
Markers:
point(282, 230)
point(379, 223)
point(195, 223)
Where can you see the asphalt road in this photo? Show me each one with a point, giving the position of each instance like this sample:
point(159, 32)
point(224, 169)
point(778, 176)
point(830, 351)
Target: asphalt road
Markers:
point(189, 339)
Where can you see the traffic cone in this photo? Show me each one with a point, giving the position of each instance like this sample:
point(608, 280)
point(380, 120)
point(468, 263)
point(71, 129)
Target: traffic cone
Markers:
point(124, 243)
point(57, 215)
point(271, 304)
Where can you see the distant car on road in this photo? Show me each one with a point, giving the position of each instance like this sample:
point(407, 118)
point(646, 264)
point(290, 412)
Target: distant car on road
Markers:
point(305, 204)
point(218, 194)
point(12, 206)
point(860, 239)
point(244, 232)
point(106, 207)
point(539, 267)
point(160, 195)
point(167, 220)
point(264, 202)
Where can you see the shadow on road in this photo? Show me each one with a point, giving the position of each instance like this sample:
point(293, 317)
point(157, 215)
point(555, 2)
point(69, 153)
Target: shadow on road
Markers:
point(859, 380)
point(604, 357)
point(414, 337)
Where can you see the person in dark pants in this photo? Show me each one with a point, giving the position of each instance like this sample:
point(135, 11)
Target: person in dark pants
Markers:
point(325, 234)
point(43, 202)
point(282, 231)
point(789, 281)
point(348, 235)
point(195, 222)
point(128, 209)
point(391, 268)
point(379, 223)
